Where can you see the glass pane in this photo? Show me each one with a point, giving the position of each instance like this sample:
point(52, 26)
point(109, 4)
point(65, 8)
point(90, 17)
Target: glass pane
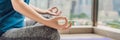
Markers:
point(109, 13)
point(77, 11)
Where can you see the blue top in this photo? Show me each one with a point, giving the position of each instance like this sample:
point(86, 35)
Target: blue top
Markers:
point(9, 18)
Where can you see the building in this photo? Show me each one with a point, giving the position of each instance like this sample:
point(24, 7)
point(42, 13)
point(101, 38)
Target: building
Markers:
point(106, 10)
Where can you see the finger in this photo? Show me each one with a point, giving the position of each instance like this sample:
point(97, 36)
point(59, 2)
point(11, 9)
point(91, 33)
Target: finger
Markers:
point(58, 13)
point(50, 9)
point(59, 18)
point(69, 26)
point(66, 21)
point(54, 9)
point(63, 18)
point(49, 12)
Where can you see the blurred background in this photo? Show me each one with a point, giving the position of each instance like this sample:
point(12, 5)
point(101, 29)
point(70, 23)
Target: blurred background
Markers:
point(80, 13)
point(77, 11)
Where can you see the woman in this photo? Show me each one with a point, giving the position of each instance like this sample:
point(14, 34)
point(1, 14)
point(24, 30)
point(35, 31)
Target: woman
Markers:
point(12, 19)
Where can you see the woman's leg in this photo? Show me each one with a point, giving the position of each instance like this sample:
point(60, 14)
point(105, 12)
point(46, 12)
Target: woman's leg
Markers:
point(32, 33)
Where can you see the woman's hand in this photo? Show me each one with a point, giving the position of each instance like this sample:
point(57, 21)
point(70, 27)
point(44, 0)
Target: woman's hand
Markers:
point(53, 11)
point(53, 23)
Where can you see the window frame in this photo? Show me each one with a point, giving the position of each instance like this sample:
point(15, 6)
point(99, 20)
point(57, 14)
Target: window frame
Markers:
point(95, 12)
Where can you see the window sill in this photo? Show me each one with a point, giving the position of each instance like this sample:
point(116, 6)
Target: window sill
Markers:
point(81, 27)
point(108, 32)
point(109, 29)
point(77, 30)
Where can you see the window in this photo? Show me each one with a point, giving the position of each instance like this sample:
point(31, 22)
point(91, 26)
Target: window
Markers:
point(109, 13)
point(78, 11)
